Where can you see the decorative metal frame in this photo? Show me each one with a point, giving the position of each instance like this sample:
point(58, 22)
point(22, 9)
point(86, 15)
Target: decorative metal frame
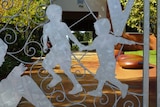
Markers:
point(58, 93)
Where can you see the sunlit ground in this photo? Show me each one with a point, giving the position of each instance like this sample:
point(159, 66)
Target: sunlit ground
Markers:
point(132, 77)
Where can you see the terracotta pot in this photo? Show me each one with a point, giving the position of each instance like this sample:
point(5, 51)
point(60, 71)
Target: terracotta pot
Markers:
point(130, 61)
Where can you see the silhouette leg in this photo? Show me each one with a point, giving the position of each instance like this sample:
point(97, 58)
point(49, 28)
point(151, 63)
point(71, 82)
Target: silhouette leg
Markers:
point(122, 87)
point(56, 78)
point(98, 91)
point(76, 86)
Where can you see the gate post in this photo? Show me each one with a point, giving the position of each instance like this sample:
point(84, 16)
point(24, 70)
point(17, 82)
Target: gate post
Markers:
point(146, 54)
point(158, 53)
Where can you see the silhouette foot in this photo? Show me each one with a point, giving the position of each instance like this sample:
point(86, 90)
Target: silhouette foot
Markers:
point(76, 89)
point(95, 93)
point(55, 81)
point(124, 90)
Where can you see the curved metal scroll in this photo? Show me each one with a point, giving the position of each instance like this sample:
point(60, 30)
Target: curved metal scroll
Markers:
point(32, 46)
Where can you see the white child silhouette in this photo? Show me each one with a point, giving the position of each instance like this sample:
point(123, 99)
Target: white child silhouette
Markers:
point(104, 45)
point(60, 52)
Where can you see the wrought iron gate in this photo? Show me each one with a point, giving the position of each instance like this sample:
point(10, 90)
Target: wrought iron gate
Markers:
point(32, 49)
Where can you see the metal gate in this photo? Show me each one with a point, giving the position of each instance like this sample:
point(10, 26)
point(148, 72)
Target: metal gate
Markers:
point(30, 52)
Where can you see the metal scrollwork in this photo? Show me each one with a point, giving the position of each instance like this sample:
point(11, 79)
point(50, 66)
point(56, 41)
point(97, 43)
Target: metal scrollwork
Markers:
point(32, 46)
point(7, 4)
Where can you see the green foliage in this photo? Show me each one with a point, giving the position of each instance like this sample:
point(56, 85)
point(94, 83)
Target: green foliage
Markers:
point(74, 48)
point(136, 16)
point(85, 38)
point(22, 12)
point(21, 16)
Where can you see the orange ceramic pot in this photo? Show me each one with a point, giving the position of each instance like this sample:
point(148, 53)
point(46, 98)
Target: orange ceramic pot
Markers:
point(130, 61)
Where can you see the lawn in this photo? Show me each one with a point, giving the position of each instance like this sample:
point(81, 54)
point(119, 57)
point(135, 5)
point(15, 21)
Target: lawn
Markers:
point(152, 55)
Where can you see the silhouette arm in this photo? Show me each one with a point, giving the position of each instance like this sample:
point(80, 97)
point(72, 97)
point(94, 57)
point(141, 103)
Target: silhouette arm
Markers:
point(129, 42)
point(92, 46)
point(125, 41)
point(72, 37)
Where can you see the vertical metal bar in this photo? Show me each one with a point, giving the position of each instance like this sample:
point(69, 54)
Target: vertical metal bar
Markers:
point(146, 53)
point(158, 53)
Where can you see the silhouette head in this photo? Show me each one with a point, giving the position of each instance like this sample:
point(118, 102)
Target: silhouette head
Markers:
point(3, 50)
point(102, 26)
point(54, 12)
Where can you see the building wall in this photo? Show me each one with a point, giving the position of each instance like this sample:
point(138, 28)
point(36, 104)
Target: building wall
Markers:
point(95, 5)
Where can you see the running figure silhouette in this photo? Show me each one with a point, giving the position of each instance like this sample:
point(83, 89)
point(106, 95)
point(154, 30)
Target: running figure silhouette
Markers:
point(104, 45)
point(60, 53)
